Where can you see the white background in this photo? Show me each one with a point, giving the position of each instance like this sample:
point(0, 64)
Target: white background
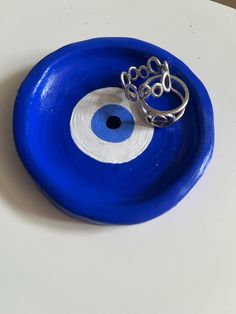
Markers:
point(184, 262)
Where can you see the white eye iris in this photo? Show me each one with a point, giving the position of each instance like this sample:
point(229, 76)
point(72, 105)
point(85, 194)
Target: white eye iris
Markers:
point(107, 127)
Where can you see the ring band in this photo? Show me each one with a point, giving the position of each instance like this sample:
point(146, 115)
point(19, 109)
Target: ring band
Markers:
point(152, 69)
point(161, 119)
point(158, 80)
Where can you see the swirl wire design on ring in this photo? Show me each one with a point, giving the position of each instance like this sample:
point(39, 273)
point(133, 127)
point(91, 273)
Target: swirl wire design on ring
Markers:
point(157, 81)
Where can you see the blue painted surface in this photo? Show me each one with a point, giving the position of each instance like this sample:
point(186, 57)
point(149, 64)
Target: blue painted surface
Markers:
point(116, 135)
point(127, 193)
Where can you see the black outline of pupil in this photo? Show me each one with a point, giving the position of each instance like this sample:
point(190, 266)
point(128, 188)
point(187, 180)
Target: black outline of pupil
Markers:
point(113, 122)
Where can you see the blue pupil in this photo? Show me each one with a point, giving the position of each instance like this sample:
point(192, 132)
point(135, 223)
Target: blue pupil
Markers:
point(112, 123)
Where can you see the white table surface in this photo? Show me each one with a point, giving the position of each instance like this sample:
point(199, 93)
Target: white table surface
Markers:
point(183, 262)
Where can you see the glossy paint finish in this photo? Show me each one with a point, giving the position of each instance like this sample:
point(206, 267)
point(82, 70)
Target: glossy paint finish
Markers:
point(127, 193)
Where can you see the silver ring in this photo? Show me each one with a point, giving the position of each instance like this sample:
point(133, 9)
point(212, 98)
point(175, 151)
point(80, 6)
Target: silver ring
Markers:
point(158, 118)
point(158, 81)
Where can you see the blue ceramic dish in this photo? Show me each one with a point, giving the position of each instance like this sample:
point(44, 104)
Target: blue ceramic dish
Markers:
point(125, 178)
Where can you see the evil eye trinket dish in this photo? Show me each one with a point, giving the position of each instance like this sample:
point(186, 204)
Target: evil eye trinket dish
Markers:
point(104, 146)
